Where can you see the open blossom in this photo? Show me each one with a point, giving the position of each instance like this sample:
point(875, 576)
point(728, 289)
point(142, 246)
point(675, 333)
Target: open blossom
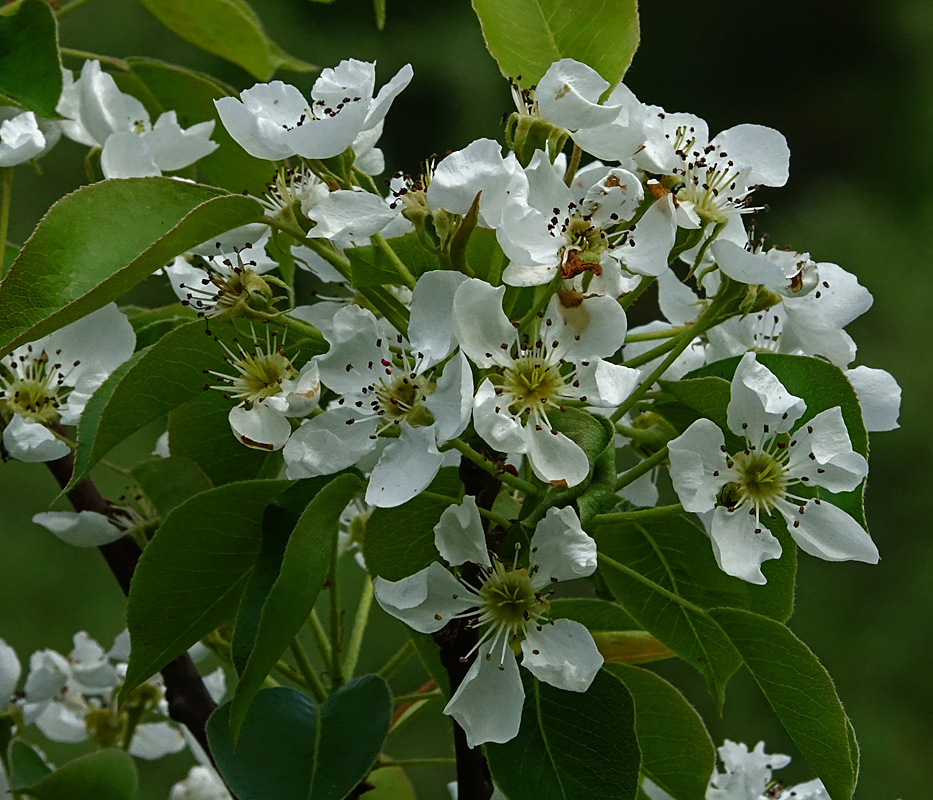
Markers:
point(768, 475)
point(507, 606)
point(390, 392)
point(50, 381)
point(275, 121)
point(22, 138)
point(533, 375)
point(100, 114)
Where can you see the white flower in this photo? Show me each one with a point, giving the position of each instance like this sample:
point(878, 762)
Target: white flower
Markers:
point(202, 783)
point(746, 774)
point(569, 231)
point(534, 374)
point(50, 380)
point(117, 122)
point(10, 671)
point(767, 475)
point(274, 120)
point(20, 139)
point(509, 607)
point(81, 529)
point(389, 389)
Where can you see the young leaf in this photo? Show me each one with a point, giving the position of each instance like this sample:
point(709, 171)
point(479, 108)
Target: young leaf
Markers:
point(191, 95)
point(290, 749)
point(105, 775)
point(571, 745)
point(30, 68)
point(676, 750)
point(26, 765)
point(199, 431)
point(801, 693)
point(190, 576)
point(229, 29)
point(169, 482)
point(371, 267)
point(526, 36)
point(292, 596)
point(97, 243)
point(649, 589)
point(393, 556)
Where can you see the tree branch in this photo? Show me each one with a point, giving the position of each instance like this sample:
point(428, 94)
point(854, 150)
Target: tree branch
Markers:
point(189, 702)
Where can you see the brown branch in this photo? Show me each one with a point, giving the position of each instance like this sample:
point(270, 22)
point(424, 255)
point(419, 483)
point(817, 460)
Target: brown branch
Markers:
point(189, 702)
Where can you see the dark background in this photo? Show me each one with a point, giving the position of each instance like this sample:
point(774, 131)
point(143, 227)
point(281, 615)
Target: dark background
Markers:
point(850, 85)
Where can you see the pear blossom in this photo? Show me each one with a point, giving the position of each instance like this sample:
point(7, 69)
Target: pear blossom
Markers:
point(567, 231)
point(10, 672)
point(84, 528)
point(767, 475)
point(21, 139)
point(507, 607)
point(391, 392)
point(535, 374)
point(51, 379)
point(274, 120)
point(132, 147)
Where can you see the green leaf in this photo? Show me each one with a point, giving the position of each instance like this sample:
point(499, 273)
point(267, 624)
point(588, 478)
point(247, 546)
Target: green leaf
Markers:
point(823, 386)
point(677, 551)
point(290, 749)
point(390, 783)
point(371, 267)
point(98, 242)
point(527, 36)
point(30, 67)
point(596, 615)
point(392, 555)
point(199, 431)
point(190, 576)
point(430, 655)
point(169, 482)
point(191, 95)
point(292, 596)
point(571, 745)
point(26, 765)
point(104, 775)
point(801, 693)
point(676, 750)
point(709, 397)
point(229, 29)
point(657, 601)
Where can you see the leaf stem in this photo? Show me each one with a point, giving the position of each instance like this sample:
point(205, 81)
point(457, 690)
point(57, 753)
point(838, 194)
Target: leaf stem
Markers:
point(336, 677)
point(649, 336)
point(74, 5)
point(406, 651)
point(637, 516)
point(359, 628)
point(415, 697)
point(640, 469)
point(501, 521)
point(506, 477)
point(649, 583)
point(320, 637)
point(119, 63)
point(314, 683)
point(626, 300)
point(403, 272)
point(415, 762)
point(6, 201)
point(573, 165)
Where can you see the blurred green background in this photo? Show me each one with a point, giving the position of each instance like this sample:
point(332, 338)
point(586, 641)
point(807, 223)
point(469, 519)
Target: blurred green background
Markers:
point(851, 86)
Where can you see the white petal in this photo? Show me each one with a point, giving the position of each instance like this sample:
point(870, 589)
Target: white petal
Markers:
point(568, 96)
point(430, 329)
point(62, 724)
point(452, 400)
point(495, 424)
point(524, 237)
point(740, 551)
point(745, 267)
point(104, 109)
point(698, 465)
point(10, 671)
point(383, 100)
point(653, 237)
point(310, 261)
point(761, 153)
point(562, 654)
point(555, 457)
point(759, 400)
point(125, 155)
point(100, 341)
point(173, 147)
point(425, 601)
point(346, 216)
point(327, 444)
point(879, 396)
point(596, 327)
point(560, 549)
point(459, 177)
point(202, 783)
point(480, 325)
point(357, 349)
point(20, 139)
point(826, 531)
point(152, 740)
point(29, 441)
point(488, 704)
point(405, 469)
point(48, 676)
point(259, 427)
point(642, 492)
point(605, 384)
point(822, 455)
point(546, 187)
point(256, 123)
point(242, 237)
point(518, 273)
point(679, 303)
point(459, 537)
point(120, 649)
